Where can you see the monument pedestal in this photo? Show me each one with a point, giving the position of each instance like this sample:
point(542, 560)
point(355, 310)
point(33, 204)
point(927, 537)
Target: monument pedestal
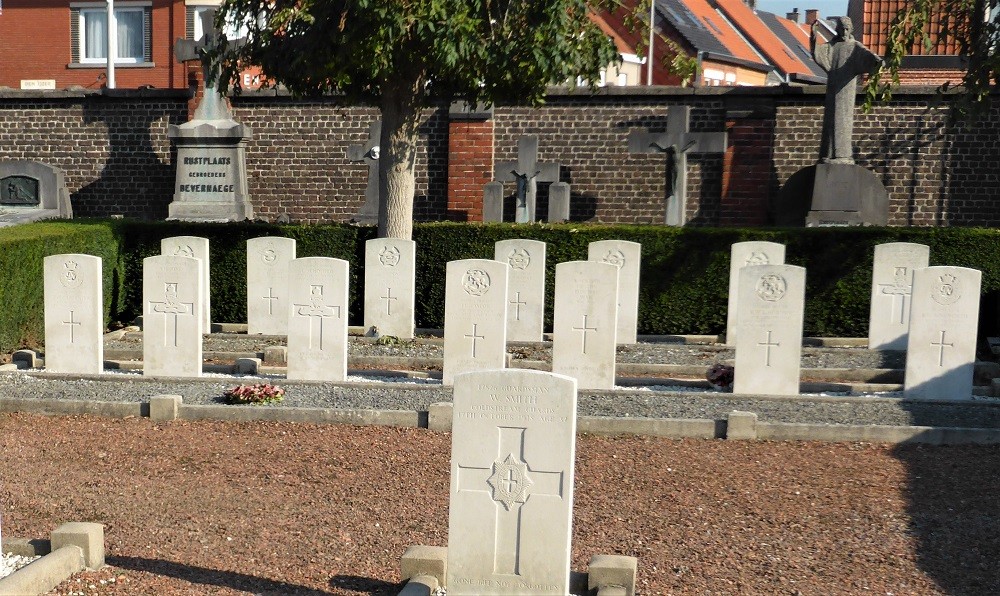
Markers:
point(211, 172)
point(846, 194)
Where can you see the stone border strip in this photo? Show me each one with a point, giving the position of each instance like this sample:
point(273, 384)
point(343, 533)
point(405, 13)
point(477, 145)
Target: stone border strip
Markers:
point(73, 547)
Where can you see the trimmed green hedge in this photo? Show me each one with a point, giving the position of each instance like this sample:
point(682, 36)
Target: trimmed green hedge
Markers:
point(684, 275)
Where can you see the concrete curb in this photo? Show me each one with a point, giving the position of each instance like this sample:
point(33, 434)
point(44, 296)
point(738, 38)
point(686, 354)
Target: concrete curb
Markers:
point(73, 547)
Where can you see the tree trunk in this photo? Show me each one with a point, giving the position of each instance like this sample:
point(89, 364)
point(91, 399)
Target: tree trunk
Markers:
point(397, 156)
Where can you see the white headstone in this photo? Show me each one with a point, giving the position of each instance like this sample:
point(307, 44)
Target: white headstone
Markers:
point(317, 319)
point(944, 320)
point(193, 246)
point(390, 284)
point(769, 330)
point(172, 321)
point(525, 287)
point(267, 284)
point(511, 508)
point(892, 280)
point(743, 254)
point(585, 322)
point(475, 313)
point(627, 256)
point(74, 314)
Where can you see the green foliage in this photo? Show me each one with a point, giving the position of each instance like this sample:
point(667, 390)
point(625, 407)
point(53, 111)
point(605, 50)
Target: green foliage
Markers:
point(22, 252)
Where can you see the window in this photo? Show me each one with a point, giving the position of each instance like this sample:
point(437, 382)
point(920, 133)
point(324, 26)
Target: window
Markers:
point(90, 33)
point(196, 31)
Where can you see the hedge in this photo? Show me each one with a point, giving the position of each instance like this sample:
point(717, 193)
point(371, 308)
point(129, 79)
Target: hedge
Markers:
point(684, 273)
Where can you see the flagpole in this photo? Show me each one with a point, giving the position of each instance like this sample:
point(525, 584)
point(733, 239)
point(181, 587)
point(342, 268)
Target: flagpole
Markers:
point(112, 43)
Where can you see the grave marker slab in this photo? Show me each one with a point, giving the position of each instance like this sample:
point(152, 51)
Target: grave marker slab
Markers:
point(74, 314)
point(585, 323)
point(196, 247)
point(268, 258)
point(944, 320)
point(172, 322)
point(390, 284)
point(317, 319)
point(525, 287)
point(559, 197)
point(475, 316)
point(892, 282)
point(769, 340)
point(511, 503)
point(743, 254)
point(627, 256)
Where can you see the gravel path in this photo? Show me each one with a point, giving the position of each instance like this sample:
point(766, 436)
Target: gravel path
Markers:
point(196, 508)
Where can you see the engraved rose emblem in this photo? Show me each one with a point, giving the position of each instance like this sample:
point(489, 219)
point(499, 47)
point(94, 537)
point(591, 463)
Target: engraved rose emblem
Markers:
point(519, 259)
point(476, 282)
point(947, 290)
point(771, 287)
point(615, 257)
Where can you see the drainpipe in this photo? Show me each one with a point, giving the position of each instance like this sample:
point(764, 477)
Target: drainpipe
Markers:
point(652, 27)
point(112, 43)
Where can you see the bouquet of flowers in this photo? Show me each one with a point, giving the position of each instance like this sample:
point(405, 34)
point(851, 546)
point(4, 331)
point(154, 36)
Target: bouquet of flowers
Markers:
point(721, 376)
point(261, 393)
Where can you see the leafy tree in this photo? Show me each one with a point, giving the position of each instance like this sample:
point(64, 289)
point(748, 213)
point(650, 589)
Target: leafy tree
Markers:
point(405, 55)
point(970, 26)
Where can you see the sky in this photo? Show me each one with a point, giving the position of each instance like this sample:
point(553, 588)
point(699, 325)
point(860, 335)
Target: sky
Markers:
point(827, 8)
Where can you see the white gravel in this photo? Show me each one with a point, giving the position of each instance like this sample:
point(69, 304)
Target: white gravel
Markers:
point(9, 563)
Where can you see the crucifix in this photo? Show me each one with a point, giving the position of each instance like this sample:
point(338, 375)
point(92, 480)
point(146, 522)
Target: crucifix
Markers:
point(171, 305)
point(73, 324)
point(527, 172)
point(585, 329)
point(676, 143)
point(213, 105)
point(316, 310)
point(767, 348)
point(368, 153)
point(509, 482)
point(941, 346)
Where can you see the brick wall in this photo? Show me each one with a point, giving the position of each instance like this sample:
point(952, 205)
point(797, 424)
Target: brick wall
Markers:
point(118, 159)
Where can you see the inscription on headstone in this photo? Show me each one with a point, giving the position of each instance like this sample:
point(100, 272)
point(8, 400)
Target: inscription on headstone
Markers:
point(475, 315)
point(74, 314)
point(525, 287)
point(892, 281)
point(744, 254)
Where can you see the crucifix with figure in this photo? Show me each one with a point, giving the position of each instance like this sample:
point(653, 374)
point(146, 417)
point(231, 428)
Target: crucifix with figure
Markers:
point(368, 153)
point(213, 105)
point(676, 143)
point(527, 172)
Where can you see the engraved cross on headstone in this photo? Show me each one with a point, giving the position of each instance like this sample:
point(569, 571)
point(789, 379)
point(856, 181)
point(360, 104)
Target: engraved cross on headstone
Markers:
point(368, 153)
point(509, 482)
point(474, 337)
point(213, 105)
point(388, 300)
point(270, 300)
point(73, 324)
point(585, 329)
point(767, 348)
point(518, 303)
point(676, 143)
point(316, 310)
point(171, 305)
point(527, 172)
point(941, 346)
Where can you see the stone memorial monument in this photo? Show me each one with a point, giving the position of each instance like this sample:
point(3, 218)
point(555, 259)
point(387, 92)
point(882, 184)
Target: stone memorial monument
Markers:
point(526, 172)
point(30, 190)
point(211, 149)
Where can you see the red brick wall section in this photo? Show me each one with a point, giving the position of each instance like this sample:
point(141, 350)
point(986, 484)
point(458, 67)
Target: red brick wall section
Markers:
point(470, 167)
point(747, 179)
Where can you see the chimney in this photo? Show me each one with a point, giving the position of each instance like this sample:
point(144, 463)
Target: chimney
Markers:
point(812, 15)
point(752, 4)
point(793, 16)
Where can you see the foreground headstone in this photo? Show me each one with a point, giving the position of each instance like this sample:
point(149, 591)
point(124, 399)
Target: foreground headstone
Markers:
point(769, 336)
point(390, 284)
point(196, 247)
point(511, 505)
point(317, 319)
point(627, 257)
point(267, 284)
point(475, 316)
point(892, 282)
point(944, 319)
point(745, 254)
point(585, 323)
point(172, 322)
point(525, 287)
point(74, 314)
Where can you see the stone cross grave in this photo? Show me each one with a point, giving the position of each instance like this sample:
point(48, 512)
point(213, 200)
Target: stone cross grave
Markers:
point(744, 254)
point(525, 287)
point(510, 514)
point(676, 143)
point(944, 320)
point(317, 319)
point(585, 323)
point(172, 319)
point(368, 153)
point(527, 172)
point(475, 316)
point(196, 247)
point(74, 314)
point(627, 257)
point(390, 284)
point(769, 340)
point(268, 258)
point(892, 282)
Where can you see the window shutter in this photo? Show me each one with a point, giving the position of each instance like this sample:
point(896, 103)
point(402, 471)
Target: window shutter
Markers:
point(189, 22)
point(74, 35)
point(147, 33)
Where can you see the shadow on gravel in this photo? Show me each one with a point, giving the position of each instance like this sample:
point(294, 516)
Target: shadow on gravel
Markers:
point(364, 585)
point(213, 577)
point(954, 514)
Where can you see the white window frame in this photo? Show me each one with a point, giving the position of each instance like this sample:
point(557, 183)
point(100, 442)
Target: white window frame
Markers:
point(101, 7)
